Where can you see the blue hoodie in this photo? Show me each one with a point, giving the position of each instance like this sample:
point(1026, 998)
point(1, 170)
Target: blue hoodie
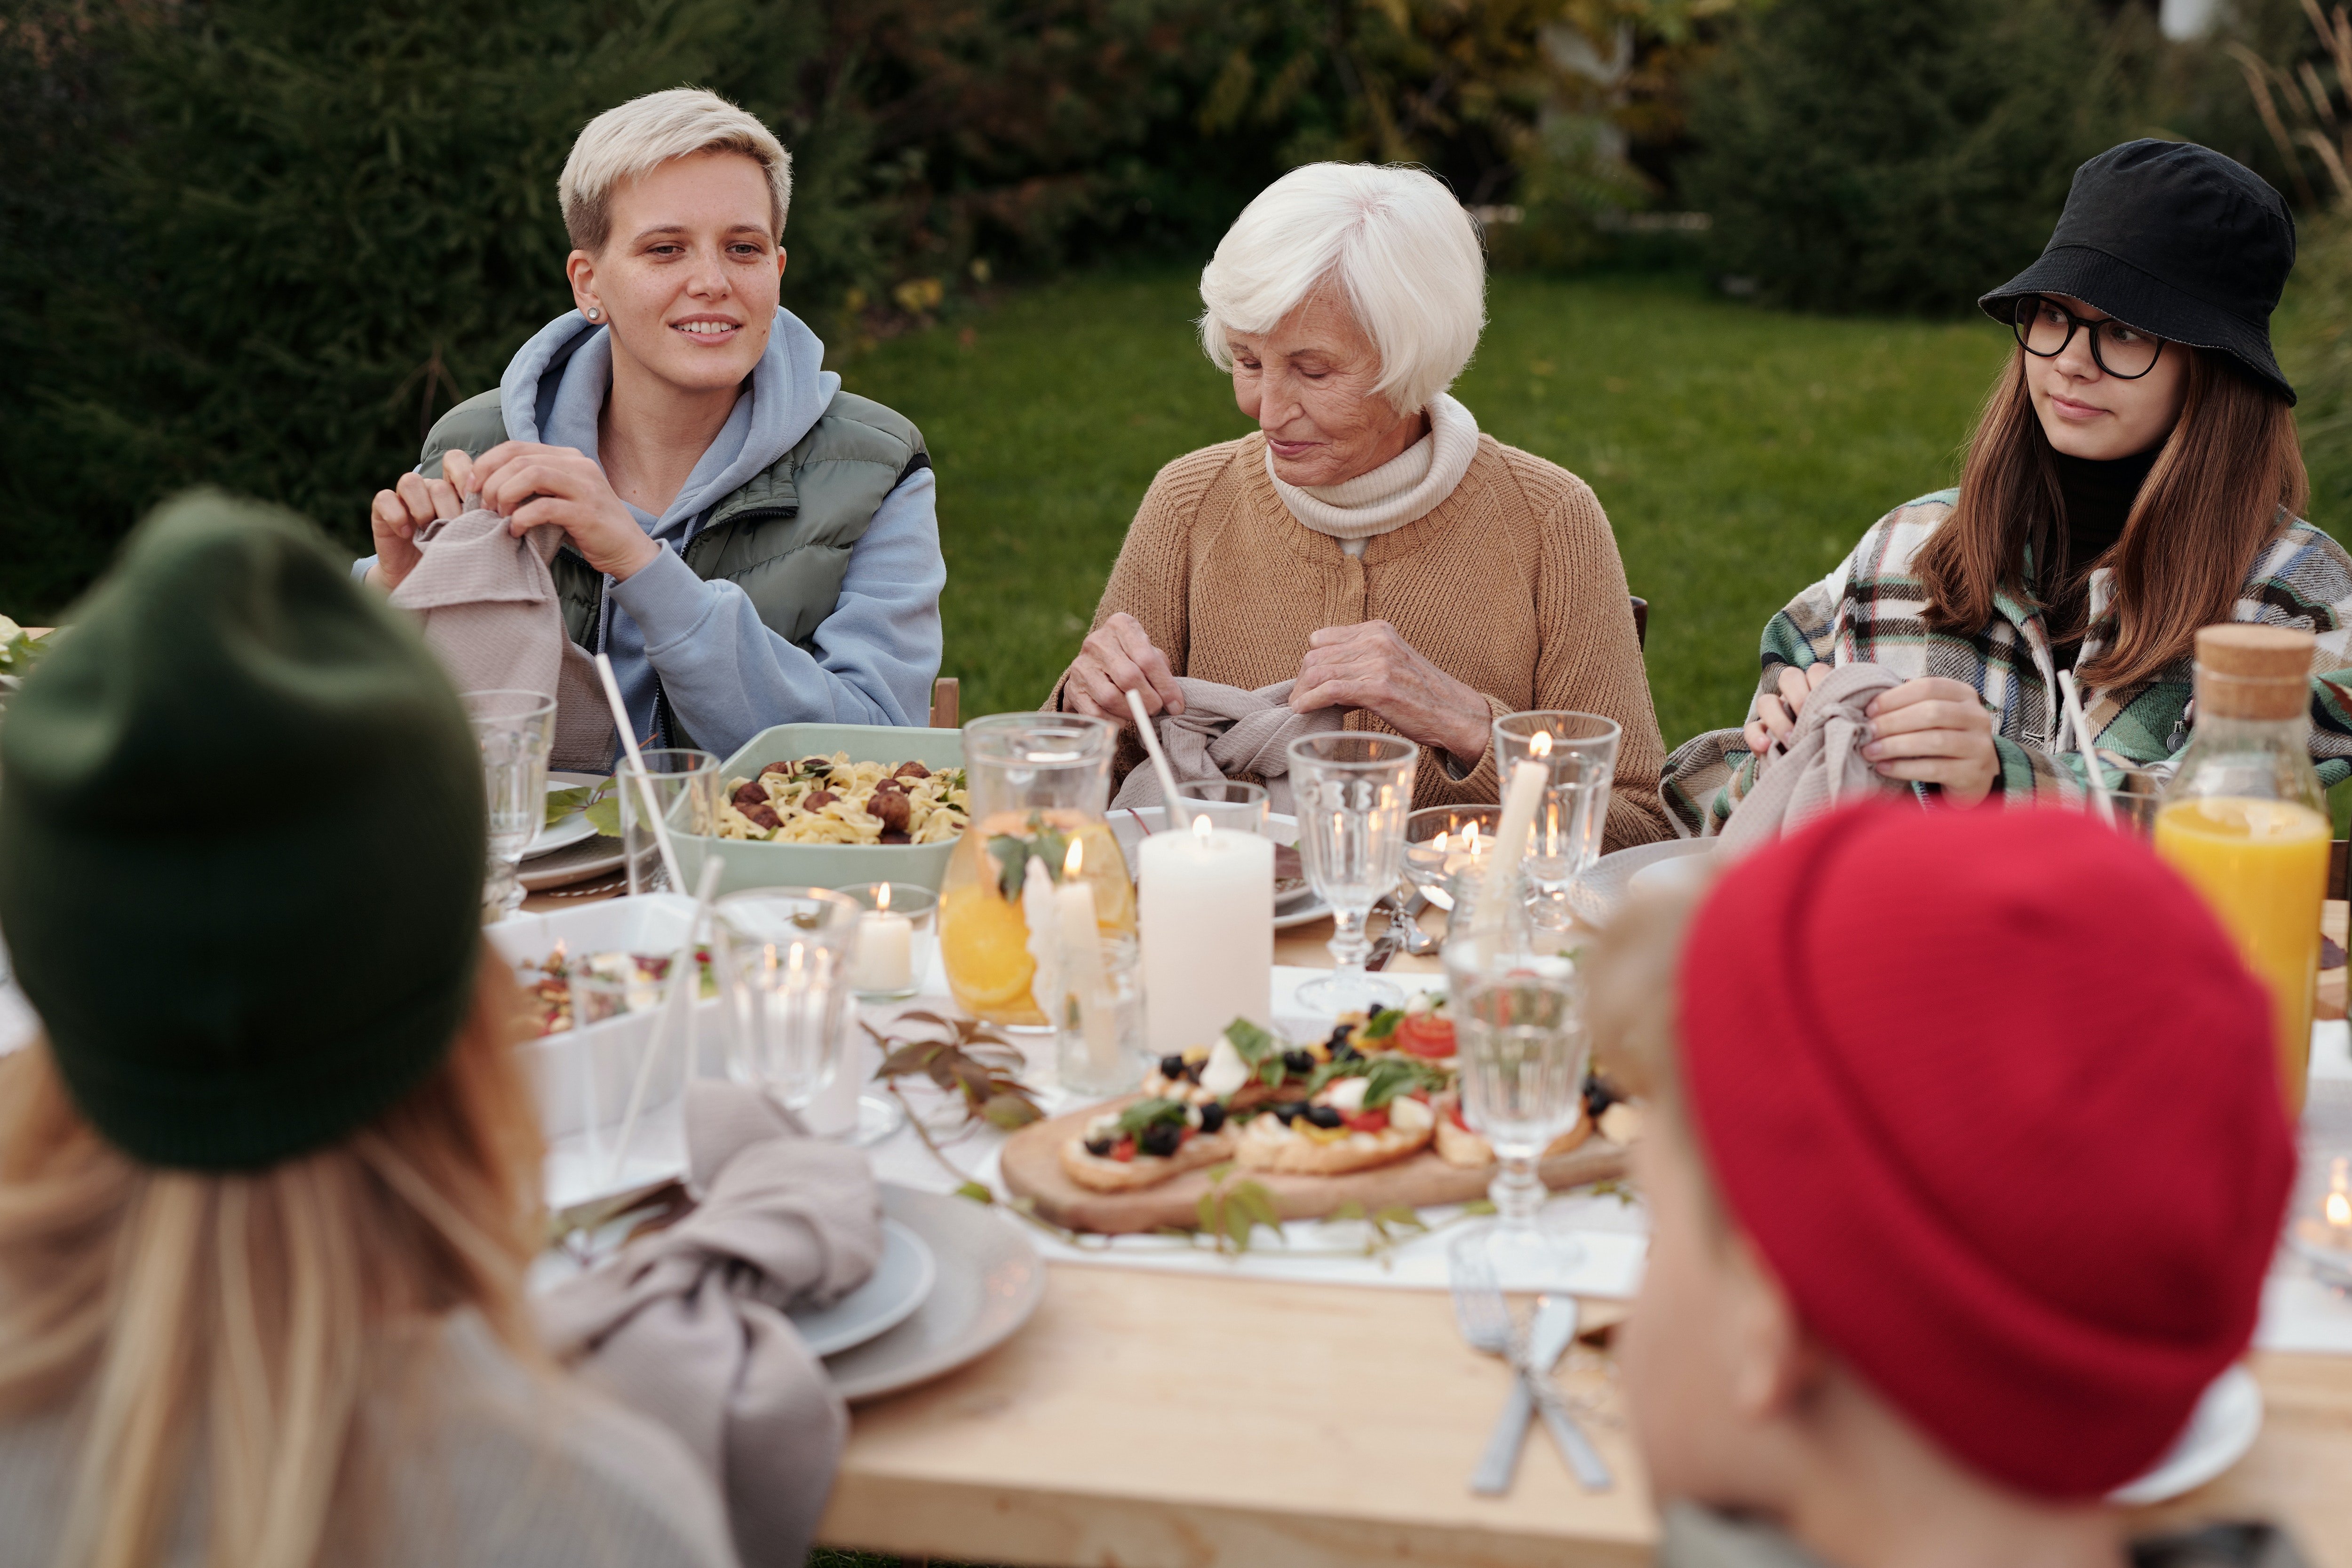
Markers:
point(727, 675)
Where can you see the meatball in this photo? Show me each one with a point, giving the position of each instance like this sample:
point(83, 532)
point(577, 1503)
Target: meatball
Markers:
point(818, 800)
point(893, 807)
point(912, 770)
point(749, 794)
point(765, 815)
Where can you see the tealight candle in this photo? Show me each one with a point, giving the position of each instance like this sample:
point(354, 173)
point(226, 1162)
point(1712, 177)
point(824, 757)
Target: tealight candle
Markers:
point(886, 949)
point(1206, 909)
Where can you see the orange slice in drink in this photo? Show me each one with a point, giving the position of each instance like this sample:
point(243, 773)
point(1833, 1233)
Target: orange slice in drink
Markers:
point(984, 943)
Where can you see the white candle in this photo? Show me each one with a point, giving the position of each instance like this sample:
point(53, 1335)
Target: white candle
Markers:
point(1206, 905)
point(1527, 782)
point(1082, 967)
point(886, 949)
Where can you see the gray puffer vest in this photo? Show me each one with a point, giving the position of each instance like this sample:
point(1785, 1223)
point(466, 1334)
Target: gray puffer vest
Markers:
point(784, 537)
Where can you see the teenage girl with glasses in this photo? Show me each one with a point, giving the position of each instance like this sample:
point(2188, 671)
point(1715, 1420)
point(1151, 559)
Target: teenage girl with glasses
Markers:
point(2135, 476)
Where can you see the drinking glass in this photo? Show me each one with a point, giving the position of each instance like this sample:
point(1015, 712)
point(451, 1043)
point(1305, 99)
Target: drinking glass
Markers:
point(2136, 797)
point(1226, 803)
point(787, 954)
point(1579, 753)
point(1442, 840)
point(1353, 791)
point(516, 730)
point(685, 785)
point(1519, 1031)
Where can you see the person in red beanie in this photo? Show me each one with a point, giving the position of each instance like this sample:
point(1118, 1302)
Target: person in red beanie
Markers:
point(1928, 1280)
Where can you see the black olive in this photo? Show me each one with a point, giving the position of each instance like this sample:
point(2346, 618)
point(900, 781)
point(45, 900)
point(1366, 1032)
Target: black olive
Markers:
point(1098, 1147)
point(1288, 1110)
point(1160, 1138)
point(1300, 1062)
point(1324, 1116)
point(1344, 1053)
point(1193, 1071)
point(1213, 1117)
point(1171, 1066)
point(1342, 1037)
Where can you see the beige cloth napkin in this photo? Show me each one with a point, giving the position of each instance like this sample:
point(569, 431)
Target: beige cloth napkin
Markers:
point(489, 610)
point(1822, 767)
point(687, 1326)
point(1225, 732)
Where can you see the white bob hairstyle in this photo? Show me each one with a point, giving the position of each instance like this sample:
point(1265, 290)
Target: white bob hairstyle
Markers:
point(1394, 244)
point(646, 132)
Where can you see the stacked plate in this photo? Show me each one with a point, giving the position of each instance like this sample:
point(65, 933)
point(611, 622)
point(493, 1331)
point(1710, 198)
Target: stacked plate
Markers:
point(568, 849)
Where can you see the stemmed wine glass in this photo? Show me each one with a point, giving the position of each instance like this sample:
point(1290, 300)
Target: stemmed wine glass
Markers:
point(1353, 792)
point(516, 730)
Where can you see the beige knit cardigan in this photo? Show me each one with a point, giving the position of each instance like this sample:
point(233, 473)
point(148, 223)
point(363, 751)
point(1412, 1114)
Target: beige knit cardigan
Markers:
point(1512, 586)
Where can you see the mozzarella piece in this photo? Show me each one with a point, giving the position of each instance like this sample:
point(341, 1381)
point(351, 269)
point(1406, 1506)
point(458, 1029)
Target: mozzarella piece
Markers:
point(1346, 1096)
point(1225, 1072)
point(1408, 1115)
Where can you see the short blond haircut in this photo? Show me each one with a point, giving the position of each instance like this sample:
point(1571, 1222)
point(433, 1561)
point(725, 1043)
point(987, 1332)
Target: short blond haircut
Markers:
point(1391, 242)
point(646, 132)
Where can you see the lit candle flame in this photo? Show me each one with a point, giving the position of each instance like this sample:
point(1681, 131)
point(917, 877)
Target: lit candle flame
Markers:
point(1470, 838)
point(1200, 825)
point(882, 900)
point(1541, 745)
point(1075, 861)
point(1439, 843)
point(2339, 1210)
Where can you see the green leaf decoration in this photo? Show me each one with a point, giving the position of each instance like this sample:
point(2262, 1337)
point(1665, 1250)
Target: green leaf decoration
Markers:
point(1253, 1043)
point(977, 1193)
point(604, 810)
point(1387, 1077)
point(1146, 1113)
point(1009, 1112)
point(1011, 858)
point(1382, 1024)
point(562, 803)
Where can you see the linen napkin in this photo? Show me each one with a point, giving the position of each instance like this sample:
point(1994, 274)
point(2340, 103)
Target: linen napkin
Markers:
point(1822, 766)
point(687, 1325)
point(488, 609)
point(1225, 732)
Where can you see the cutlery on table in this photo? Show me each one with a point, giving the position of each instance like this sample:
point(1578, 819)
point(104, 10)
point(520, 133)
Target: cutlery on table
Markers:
point(1404, 919)
point(1485, 1320)
point(1549, 1337)
point(1382, 950)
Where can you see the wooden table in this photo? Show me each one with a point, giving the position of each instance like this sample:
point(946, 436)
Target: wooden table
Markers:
point(1170, 1421)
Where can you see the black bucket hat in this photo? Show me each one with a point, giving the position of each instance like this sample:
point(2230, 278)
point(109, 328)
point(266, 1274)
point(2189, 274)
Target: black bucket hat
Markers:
point(2177, 240)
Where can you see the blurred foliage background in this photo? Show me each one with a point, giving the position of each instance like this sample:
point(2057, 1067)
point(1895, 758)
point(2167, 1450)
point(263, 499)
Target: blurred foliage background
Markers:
point(262, 243)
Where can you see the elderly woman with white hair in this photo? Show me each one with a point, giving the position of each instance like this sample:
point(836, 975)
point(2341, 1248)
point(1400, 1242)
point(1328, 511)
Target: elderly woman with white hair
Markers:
point(751, 544)
point(1367, 541)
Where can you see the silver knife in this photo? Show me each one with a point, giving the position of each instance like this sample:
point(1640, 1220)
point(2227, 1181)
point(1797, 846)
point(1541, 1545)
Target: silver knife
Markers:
point(1548, 1339)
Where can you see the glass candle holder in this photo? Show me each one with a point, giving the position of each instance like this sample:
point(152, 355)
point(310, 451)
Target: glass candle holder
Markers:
point(1578, 754)
point(1098, 1046)
point(1234, 804)
point(896, 936)
point(1441, 841)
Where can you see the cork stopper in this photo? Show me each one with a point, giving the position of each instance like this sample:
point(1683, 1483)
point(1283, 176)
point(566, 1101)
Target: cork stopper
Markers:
point(2253, 671)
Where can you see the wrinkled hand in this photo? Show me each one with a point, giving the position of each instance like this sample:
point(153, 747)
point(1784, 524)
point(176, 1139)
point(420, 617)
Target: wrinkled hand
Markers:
point(529, 484)
point(1117, 658)
point(1938, 732)
point(1369, 666)
point(1776, 716)
point(400, 513)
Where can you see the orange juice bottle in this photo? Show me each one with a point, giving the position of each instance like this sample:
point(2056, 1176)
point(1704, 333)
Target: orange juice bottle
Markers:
point(2245, 820)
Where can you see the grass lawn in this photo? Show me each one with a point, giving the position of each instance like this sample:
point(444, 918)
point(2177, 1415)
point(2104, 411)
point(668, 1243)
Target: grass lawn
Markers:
point(1739, 451)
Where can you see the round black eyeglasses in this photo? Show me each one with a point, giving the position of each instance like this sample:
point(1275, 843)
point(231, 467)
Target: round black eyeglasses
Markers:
point(2044, 328)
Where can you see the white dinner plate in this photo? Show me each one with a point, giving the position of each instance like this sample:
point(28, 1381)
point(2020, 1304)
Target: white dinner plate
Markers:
point(2227, 1419)
point(1601, 890)
point(990, 1279)
point(901, 1280)
point(1131, 824)
point(570, 828)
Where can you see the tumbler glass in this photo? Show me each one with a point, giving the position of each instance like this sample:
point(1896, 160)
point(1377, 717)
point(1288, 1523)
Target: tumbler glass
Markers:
point(787, 978)
point(1236, 803)
point(1578, 754)
point(685, 787)
point(1353, 792)
point(516, 730)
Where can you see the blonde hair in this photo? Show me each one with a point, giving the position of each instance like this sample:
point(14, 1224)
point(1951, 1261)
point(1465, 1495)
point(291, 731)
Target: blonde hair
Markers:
point(255, 1312)
point(646, 132)
point(1390, 241)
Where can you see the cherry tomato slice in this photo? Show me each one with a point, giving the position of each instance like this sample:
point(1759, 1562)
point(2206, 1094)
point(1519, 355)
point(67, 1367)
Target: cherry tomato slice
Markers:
point(1454, 1111)
point(1426, 1035)
point(1368, 1121)
point(1123, 1151)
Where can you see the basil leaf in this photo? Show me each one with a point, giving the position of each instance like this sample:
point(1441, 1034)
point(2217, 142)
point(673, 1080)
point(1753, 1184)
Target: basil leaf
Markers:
point(1146, 1113)
point(1388, 1077)
point(1382, 1024)
point(1253, 1043)
point(1012, 856)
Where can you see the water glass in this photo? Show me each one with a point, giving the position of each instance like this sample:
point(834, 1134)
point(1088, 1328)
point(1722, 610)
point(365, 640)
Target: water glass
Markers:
point(1100, 1047)
point(1353, 791)
point(1518, 1024)
point(786, 956)
point(2136, 797)
point(1226, 803)
point(1441, 841)
point(685, 787)
point(1579, 753)
point(516, 730)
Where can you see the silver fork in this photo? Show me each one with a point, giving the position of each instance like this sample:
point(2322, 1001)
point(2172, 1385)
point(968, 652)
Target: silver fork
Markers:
point(1486, 1322)
point(1404, 921)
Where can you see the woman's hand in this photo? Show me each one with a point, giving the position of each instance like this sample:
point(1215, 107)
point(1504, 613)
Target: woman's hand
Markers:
point(407, 509)
point(529, 484)
point(1935, 731)
point(1776, 716)
point(1117, 658)
point(1369, 666)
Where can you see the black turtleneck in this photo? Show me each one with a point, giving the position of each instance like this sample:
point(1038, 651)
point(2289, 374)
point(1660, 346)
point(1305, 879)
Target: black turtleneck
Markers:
point(2097, 497)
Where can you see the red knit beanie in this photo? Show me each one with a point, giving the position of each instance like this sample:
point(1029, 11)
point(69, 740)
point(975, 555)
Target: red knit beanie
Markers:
point(1992, 1093)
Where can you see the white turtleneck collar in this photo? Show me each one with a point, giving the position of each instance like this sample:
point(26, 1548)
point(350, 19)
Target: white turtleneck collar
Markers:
point(1406, 488)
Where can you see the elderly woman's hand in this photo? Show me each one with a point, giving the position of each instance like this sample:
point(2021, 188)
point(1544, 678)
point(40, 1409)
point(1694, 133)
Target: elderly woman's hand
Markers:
point(529, 484)
point(1369, 666)
point(407, 509)
point(1117, 658)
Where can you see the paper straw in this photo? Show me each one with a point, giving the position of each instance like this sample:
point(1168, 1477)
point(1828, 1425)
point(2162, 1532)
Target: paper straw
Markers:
point(1158, 758)
point(645, 780)
point(685, 978)
point(1528, 781)
point(2075, 716)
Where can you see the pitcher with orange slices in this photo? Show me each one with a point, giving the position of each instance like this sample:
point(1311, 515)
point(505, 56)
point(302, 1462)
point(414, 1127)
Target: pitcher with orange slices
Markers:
point(1039, 783)
point(2245, 820)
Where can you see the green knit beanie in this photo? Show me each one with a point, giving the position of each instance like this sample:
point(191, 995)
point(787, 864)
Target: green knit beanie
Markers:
point(241, 844)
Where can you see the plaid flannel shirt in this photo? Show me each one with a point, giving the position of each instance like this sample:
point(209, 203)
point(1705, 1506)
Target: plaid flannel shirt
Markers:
point(1869, 610)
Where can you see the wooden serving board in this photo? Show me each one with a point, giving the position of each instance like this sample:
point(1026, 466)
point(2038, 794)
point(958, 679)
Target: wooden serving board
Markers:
point(1032, 1164)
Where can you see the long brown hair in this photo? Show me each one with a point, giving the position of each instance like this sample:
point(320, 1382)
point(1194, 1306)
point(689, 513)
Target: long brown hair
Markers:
point(2229, 477)
point(257, 1311)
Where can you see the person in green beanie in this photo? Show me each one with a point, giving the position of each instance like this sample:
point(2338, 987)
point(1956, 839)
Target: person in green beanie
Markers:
point(269, 1181)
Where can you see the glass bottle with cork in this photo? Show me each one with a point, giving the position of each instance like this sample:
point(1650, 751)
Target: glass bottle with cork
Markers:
point(2245, 819)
